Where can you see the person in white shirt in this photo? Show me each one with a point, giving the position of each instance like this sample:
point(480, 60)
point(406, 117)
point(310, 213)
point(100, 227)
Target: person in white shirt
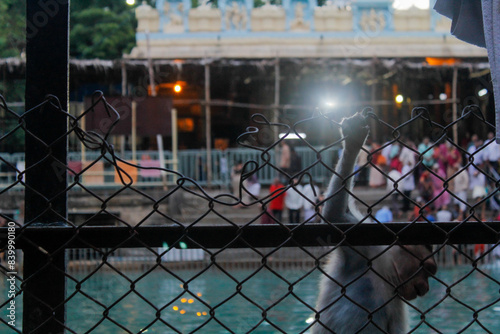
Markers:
point(460, 186)
point(393, 177)
point(408, 155)
point(407, 184)
point(475, 152)
point(294, 201)
point(477, 179)
point(310, 200)
point(444, 215)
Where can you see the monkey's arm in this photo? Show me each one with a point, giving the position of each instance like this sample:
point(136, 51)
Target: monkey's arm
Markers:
point(336, 208)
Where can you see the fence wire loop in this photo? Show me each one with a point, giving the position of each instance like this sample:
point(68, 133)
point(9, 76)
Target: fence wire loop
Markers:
point(473, 110)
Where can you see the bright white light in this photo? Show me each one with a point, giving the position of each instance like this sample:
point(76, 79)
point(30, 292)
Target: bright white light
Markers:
point(405, 4)
point(443, 96)
point(130, 2)
point(399, 98)
point(330, 104)
point(482, 92)
point(310, 320)
point(292, 135)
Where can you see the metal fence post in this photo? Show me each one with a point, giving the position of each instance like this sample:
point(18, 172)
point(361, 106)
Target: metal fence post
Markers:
point(47, 48)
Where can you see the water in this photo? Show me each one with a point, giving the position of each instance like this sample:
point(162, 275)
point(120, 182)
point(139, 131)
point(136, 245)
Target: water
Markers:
point(284, 298)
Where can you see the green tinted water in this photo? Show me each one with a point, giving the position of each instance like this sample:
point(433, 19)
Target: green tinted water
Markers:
point(240, 299)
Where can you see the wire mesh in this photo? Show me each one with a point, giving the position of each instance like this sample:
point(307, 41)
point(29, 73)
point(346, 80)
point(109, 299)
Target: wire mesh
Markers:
point(182, 258)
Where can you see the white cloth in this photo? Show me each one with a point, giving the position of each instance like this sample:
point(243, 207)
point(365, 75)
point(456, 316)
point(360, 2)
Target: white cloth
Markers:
point(308, 192)
point(394, 176)
point(444, 216)
point(477, 182)
point(461, 182)
point(406, 156)
point(462, 195)
point(293, 199)
point(408, 183)
point(254, 189)
point(478, 192)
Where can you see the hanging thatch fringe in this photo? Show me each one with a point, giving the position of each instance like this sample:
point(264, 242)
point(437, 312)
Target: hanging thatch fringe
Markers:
point(13, 65)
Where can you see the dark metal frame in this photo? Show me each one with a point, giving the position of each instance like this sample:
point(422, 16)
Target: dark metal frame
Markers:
point(256, 236)
point(47, 47)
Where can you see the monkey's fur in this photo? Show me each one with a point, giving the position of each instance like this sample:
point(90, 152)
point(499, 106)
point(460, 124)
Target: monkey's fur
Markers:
point(363, 287)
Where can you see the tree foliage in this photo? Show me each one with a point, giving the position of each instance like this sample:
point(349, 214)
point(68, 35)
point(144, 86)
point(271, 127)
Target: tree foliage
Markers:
point(12, 31)
point(101, 33)
point(99, 28)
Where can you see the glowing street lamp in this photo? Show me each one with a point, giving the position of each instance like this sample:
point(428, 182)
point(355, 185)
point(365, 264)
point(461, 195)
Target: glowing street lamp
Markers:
point(399, 98)
point(482, 92)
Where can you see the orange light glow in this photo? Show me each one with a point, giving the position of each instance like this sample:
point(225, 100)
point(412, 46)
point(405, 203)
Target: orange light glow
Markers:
point(175, 308)
point(177, 88)
point(183, 300)
point(183, 311)
point(441, 61)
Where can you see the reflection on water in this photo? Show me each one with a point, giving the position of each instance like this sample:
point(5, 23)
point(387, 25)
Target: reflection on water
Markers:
point(238, 301)
point(107, 302)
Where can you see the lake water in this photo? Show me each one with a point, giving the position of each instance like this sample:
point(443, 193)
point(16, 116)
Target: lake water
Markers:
point(239, 299)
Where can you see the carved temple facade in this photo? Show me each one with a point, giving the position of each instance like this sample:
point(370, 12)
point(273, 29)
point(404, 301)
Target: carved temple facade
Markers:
point(298, 55)
point(296, 28)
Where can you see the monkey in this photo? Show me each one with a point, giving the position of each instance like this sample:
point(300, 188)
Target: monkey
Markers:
point(362, 288)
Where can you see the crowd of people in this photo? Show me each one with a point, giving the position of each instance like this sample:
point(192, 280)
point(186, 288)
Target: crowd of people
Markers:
point(441, 176)
point(428, 181)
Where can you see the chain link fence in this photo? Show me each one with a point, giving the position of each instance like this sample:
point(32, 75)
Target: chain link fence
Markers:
point(188, 259)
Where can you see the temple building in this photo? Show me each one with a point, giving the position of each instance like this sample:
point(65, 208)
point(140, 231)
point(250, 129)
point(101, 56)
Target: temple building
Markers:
point(284, 60)
point(294, 29)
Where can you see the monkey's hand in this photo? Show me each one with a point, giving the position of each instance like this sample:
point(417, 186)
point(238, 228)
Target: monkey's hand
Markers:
point(355, 130)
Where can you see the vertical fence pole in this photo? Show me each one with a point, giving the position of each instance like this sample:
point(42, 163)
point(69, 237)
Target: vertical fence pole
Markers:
point(455, 102)
point(175, 143)
point(134, 131)
point(208, 123)
point(47, 37)
point(276, 111)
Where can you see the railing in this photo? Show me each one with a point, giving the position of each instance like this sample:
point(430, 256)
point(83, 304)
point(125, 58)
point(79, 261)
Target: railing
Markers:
point(192, 164)
point(86, 260)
